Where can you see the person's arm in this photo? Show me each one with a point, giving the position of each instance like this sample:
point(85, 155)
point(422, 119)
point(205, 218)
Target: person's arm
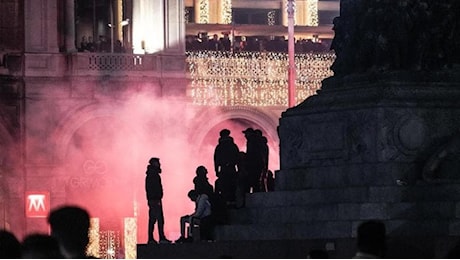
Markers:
point(200, 207)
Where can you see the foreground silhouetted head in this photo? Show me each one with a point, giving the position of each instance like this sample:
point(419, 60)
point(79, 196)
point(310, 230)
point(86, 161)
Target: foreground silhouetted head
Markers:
point(70, 226)
point(372, 238)
point(10, 247)
point(40, 246)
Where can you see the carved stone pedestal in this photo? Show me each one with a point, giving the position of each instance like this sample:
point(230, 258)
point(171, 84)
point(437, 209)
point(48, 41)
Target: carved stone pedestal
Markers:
point(376, 146)
point(373, 130)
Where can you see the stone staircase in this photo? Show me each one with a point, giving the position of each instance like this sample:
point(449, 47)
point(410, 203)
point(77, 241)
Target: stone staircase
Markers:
point(354, 152)
point(330, 211)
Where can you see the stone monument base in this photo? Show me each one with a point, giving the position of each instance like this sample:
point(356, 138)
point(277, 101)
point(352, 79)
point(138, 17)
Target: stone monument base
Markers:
point(374, 146)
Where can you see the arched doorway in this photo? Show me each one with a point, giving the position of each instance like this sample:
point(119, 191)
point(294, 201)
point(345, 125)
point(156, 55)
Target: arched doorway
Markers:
point(206, 130)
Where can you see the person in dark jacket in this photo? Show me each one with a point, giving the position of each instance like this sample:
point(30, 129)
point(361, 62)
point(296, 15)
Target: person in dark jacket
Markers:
point(225, 164)
point(202, 185)
point(154, 192)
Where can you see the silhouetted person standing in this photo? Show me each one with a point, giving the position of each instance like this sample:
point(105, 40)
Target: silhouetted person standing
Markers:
point(242, 186)
point(270, 181)
point(70, 227)
point(263, 152)
point(371, 240)
point(254, 161)
point(225, 165)
point(154, 192)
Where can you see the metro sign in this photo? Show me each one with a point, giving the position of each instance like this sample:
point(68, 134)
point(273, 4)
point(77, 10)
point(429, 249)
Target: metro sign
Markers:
point(37, 204)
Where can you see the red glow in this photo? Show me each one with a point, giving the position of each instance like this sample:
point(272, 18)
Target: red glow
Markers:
point(105, 159)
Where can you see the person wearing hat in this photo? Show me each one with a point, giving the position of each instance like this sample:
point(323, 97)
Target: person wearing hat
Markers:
point(154, 192)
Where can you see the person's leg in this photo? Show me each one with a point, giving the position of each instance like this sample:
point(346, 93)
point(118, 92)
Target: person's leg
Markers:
point(183, 221)
point(161, 224)
point(152, 220)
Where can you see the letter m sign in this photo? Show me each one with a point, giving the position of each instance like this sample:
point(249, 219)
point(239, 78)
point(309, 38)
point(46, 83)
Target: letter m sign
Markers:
point(37, 204)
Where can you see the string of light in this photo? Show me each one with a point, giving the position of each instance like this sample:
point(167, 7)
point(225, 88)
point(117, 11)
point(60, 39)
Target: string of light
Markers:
point(226, 11)
point(312, 7)
point(203, 11)
point(253, 78)
point(271, 17)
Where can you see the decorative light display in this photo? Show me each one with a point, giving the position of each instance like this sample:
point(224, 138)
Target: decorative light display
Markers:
point(226, 10)
point(253, 78)
point(203, 11)
point(130, 237)
point(187, 16)
point(94, 238)
point(271, 17)
point(312, 7)
point(109, 244)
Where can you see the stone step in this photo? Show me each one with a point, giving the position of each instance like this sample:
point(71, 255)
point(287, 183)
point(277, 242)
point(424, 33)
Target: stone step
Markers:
point(345, 212)
point(332, 229)
point(397, 248)
point(378, 174)
point(447, 192)
point(247, 249)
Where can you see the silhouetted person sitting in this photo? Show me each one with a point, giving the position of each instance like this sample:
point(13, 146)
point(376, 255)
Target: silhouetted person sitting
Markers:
point(10, 247)
point(40, 246)
point(371, 240)
point(201, 216)
point(70, 227)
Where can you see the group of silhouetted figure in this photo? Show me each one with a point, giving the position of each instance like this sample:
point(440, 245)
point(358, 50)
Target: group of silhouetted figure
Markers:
point(202, 42)
point(69, 238)
point(237, 173)
point(241, 172)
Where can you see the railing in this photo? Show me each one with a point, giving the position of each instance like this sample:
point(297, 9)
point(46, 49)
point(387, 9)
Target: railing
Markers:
point(100, 61)
point(217, 78)
point(114, 62)
point(253, 78)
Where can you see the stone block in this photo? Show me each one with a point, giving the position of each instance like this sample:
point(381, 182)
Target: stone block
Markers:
point(373, 211)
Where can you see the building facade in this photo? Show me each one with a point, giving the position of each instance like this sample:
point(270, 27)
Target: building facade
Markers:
point(78, 125)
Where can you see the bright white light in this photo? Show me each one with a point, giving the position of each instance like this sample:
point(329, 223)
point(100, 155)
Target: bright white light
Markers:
point(124, 22)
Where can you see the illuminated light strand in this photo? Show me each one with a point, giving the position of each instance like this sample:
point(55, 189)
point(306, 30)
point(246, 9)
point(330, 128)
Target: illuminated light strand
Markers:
point(227, 11)
point(130, 237)
point(187, 16)
point(313, 19)
point(94, 238)
point(204, 11)
point(253, 78)
point(271, 17)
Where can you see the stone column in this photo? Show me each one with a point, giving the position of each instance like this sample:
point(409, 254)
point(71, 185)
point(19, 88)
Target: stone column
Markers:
point(148, 26)
point(70, 26)
point(40, 26)
point(174, 26)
